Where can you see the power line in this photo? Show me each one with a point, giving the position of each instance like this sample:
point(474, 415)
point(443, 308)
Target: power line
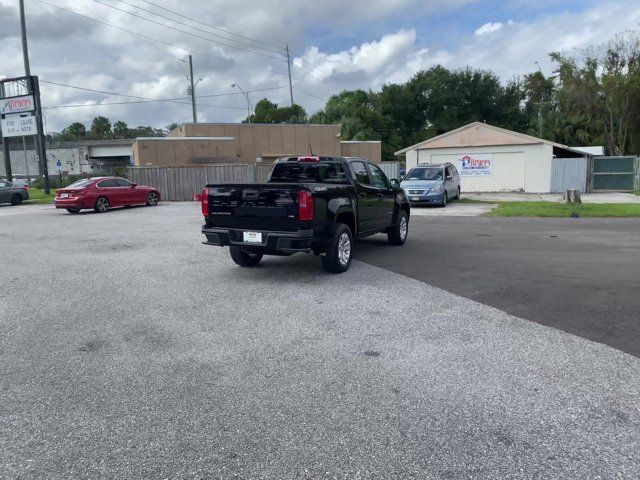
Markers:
point(310, 94)
point(170, 100)
point(169, 44)
point(85, 39)
point(253, 40)
point(208, 12)
point(106, 92)
point(178, 29)
point(178, 100)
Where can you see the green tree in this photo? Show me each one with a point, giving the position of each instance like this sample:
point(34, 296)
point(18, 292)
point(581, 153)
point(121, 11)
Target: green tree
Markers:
point(171, 127)
point(120, 130)
point(269, 112)
point(74, 131)
point(601, 88)
point(101, 128)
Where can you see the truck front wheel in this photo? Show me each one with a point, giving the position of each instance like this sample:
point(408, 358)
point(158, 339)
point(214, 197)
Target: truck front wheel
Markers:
point(245, 259)
point(337, 258)
point(397, 234)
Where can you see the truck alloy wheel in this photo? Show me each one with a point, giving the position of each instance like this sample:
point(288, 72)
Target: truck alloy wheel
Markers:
point(337, 257)
point(398, 233)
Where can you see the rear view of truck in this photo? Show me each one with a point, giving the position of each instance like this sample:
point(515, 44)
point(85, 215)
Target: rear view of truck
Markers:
point(286, 215)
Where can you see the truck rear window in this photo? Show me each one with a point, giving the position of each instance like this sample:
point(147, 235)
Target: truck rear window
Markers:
point(294, 172)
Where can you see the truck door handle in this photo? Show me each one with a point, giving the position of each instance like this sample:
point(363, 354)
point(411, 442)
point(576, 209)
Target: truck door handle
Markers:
point(363, 194)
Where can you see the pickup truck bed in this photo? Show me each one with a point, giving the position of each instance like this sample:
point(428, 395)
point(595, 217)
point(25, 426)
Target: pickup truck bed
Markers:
point(320, 208)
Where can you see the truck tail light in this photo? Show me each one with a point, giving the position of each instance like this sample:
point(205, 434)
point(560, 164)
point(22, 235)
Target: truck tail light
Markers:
point(305, 206)
point(204, 202)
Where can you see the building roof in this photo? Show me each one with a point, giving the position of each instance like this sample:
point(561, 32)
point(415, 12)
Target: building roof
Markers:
point(497, 135)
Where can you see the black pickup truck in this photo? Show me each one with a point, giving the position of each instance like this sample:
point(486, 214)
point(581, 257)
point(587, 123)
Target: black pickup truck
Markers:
point(309, 204)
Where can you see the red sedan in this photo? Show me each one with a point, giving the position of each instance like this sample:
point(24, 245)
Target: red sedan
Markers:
point(102, 193)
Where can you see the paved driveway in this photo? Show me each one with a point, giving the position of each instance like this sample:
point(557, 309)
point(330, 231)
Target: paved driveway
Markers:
point(130, 350)
point(579, 275)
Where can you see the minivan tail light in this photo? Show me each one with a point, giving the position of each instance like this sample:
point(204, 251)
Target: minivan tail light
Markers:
point(305, 206)
point(204, 202)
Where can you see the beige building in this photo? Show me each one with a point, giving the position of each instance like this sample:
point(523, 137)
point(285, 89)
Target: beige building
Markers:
point(207, 143)
point(492, 159)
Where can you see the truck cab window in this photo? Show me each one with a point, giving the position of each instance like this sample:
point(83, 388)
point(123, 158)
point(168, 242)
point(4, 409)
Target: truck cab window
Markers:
point(379, 178)
point(360, 173)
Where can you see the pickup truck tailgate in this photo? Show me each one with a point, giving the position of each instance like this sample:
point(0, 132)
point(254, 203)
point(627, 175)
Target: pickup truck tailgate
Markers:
point(254, 206)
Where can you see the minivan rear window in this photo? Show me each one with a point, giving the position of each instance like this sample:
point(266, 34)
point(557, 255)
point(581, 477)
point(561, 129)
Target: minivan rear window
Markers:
point(295, 172)
point(425, 173)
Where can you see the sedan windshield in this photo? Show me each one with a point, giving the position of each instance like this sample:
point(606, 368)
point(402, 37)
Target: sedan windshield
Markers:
point(84, 183)
point(425, 174)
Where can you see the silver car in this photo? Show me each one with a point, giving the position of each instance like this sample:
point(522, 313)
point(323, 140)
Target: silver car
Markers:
point(434, 183)
point(13, 194)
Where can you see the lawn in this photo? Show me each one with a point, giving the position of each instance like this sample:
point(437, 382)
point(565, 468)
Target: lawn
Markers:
point(553, 209)
point(472, 201)
point(37, 195)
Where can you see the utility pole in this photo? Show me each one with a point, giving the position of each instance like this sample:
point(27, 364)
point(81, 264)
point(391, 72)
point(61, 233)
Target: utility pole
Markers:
point(289, 68)
point(34, 87)
point(193, 91)
point(5, 144)
point(25, 49)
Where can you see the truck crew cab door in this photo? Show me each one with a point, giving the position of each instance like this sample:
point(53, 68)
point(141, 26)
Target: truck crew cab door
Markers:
point(367, 198)
point(386, 197)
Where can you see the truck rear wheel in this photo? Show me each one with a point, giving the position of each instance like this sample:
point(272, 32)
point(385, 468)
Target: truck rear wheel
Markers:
point(337, 258)
point(243, 258)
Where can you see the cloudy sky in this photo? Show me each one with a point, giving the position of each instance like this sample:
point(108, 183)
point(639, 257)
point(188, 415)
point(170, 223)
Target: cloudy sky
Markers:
point(137, 48)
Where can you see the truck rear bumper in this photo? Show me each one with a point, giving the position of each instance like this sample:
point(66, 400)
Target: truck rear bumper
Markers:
point(285, 242)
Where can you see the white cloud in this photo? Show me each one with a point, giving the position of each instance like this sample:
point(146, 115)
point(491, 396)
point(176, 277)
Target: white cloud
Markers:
point(66, 48)
point(488, 28)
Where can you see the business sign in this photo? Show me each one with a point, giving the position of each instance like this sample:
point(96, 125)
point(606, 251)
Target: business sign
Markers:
point(17, 104)
point(18, 126)
point(475, 165)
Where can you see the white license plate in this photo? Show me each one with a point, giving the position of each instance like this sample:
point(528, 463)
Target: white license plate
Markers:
point(64, 195)
point(415, 199)
point(252, 237)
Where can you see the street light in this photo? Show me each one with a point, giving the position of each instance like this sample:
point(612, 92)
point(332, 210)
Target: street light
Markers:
point(249, 106)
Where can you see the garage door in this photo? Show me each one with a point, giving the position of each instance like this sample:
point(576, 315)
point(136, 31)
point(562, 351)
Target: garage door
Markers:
point(507, 172)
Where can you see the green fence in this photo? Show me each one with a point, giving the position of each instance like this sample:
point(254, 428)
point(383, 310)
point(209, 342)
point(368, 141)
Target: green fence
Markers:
point(614, 174)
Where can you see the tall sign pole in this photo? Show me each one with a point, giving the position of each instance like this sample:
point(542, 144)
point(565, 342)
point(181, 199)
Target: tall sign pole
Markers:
point(5, 144)
point(34, 89)
point(289, 67)
point(20, 116)
point(41, 146)
point(25, 48)
point(193, 92)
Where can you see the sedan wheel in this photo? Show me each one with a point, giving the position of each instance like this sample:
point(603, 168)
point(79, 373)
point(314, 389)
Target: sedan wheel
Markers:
point(16, 199)
point(152, 199)
point(102, 205)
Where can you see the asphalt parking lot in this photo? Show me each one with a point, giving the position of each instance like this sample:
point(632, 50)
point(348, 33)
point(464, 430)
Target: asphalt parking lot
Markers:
point(130, 350)
point(579, 275)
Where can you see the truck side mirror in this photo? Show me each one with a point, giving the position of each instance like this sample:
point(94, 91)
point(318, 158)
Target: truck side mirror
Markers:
point(395, 183)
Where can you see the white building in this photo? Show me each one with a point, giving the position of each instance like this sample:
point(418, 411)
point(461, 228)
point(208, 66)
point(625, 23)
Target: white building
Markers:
point(492, 159)
point(94, 157)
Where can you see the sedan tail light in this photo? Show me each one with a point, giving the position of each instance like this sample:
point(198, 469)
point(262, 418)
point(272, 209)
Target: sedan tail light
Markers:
point(305, 206)
point(204, 202)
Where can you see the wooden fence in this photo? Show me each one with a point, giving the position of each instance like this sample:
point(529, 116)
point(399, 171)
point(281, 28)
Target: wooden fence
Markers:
point(180, 183)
